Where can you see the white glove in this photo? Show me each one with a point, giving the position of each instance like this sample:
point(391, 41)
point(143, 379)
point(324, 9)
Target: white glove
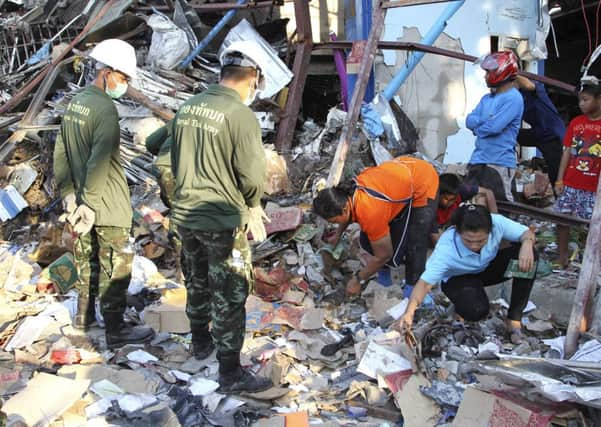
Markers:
point(256, 217)
point(82, 219)
point(69, 205)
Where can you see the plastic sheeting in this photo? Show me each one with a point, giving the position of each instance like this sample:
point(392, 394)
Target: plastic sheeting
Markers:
point(276, 76)
point(169, 44)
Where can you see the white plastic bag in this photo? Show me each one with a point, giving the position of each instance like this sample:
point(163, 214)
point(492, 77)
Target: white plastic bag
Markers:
point(169, 44)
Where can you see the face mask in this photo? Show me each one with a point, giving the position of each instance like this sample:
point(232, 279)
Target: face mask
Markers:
point(117, 92)
point(253, 90)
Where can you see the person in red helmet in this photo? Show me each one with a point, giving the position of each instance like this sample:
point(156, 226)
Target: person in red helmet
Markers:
point(496, 122)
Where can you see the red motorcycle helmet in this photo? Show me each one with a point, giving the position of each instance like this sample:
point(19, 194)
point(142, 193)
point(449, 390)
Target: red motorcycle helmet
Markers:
point(500, 67)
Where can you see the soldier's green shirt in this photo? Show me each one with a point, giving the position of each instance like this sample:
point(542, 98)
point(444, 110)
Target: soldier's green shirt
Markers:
point(218, 161)
point(87, 159)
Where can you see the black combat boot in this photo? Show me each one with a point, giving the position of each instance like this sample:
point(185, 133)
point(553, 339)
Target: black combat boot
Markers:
point(202, 342)
point(234, 379)
point(118, 333)
point(86, 313)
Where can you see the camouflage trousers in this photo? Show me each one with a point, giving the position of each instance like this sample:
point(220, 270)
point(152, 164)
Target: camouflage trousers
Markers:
point(218, 273)
point(166, 182)
point(103, 259)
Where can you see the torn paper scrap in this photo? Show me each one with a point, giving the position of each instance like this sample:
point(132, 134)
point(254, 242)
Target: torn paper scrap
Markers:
point(203, 387)
point(142, 357)
point(379, 360)
point(398, 310)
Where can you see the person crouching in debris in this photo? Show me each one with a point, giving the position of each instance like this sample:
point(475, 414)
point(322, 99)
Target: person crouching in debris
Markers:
point(468, 258)
point(495, 122)
point(92, 183)
point(394, 203)
point(218, 162)
point(580, 164)
point(452, 193)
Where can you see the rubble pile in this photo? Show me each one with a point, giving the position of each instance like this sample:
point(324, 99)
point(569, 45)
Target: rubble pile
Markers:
point(334, 360)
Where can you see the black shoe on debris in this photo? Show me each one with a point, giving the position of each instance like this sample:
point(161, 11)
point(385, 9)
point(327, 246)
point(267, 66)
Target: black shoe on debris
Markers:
point(128, 335)
point(243, 381)
point(118, 333)
point(202, 350)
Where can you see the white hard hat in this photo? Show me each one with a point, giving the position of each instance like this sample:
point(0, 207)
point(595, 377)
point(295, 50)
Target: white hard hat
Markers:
point(117, 54)
point(245, 54)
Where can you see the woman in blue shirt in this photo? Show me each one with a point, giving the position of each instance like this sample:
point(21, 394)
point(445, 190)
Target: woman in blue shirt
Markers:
point(468, 258)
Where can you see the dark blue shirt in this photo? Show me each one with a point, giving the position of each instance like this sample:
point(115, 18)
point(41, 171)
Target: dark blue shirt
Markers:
point(541, 114)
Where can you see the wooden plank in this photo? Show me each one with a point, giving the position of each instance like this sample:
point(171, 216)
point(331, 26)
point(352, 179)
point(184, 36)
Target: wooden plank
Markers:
point(587, 283)
point(543, 214)
point(367, 62)
point(302, 59)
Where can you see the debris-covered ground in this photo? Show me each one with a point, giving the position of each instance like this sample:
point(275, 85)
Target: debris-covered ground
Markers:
point(333, 361)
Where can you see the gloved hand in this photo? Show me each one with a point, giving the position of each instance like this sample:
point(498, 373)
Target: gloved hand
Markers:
point(82, 219)
point(69, 204)
point(256, 216)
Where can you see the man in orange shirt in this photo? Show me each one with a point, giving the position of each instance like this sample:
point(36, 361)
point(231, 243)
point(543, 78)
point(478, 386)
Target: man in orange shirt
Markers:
point(394, 203)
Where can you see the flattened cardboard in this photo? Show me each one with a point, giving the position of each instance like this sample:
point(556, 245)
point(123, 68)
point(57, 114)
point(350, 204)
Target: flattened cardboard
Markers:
point(44, 399)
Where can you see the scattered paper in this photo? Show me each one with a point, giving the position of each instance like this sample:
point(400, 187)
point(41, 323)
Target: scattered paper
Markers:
point(182, 376)
point(590, 351)
point(106, 389)
point(135, 402)
point(230, 404)
point(142, 357)
point(529, 307)
point(128, 402)
point(489, 347)
point(33, 326)
point(44, 399)
point(378, 360)
point(398, 310)
point(211, 401)
point(557, 345)
point(203, 387)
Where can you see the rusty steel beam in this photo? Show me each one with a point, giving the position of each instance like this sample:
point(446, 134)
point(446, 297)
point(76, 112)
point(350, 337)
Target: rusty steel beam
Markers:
point(387, 45)
point(545, 215)
point(302, 59)
point(140, 98)
point(348, 131)
point(18, 97)
point(403, 3)
point(218, 7)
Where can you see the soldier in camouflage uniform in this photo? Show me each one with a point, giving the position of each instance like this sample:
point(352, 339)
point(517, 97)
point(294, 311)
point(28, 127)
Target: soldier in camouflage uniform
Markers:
point(158, 144)
point(92, 183)
point(219, 165)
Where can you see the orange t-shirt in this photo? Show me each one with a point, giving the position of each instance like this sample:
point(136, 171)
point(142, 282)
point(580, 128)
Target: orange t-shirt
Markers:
point(400, 178)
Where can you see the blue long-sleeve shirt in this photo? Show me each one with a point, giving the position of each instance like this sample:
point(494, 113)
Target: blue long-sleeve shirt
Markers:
point(496, 122)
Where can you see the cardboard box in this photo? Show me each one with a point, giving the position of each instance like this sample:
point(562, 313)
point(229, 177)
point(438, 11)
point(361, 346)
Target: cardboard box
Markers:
point(170, 314)
point(480, 409)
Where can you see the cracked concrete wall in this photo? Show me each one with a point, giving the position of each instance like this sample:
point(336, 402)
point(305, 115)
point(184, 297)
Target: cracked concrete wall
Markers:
point(434, 94)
